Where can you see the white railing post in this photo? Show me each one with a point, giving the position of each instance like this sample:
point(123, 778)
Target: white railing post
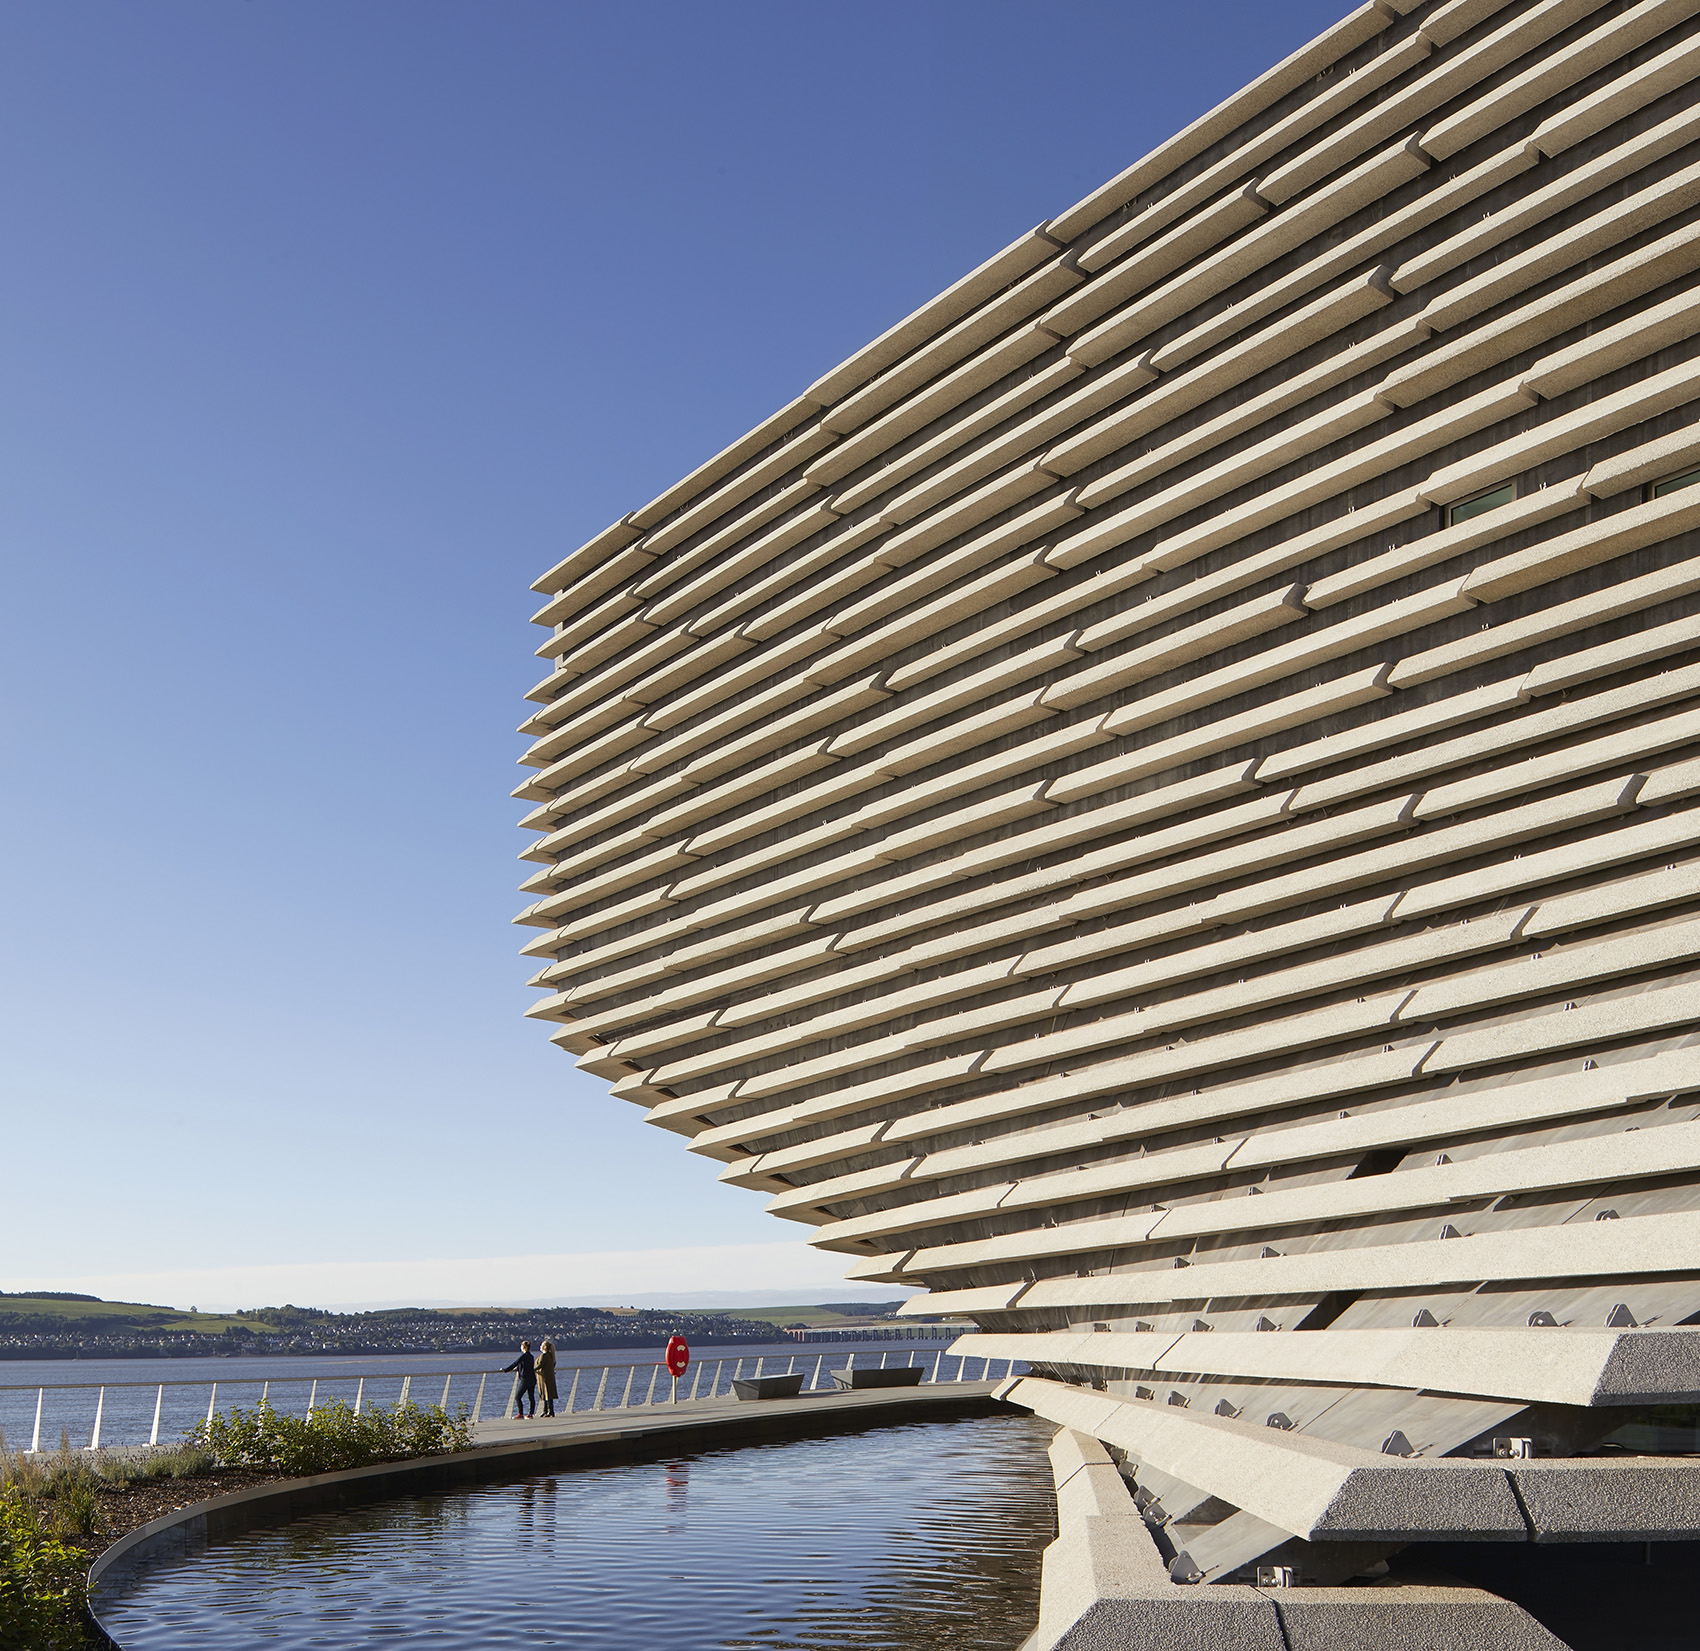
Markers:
point(696, 1382)
point(359, 1395)
point(443, 1404)
point(631, 1376)
point(99, 1411)
point(478, 1408)
point(882, 1361)
point(759, 1363)
point(814, 1380)
point(313, 1396)
point(158, 1405)
point(738, 1370)
point(212, 1400)
point(601, 1388)
point(406, 1384)
point(938, 1358)
point(649, 1397)
point(572, 1392)
point(265, 1391)
point(513, 1400)
point(35, 1441)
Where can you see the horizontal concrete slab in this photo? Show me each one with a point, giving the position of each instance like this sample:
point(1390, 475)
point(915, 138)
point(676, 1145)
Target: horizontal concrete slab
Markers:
point(1554, 1365)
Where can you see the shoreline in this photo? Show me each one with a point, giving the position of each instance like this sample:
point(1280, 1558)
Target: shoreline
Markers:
point(819, 1339)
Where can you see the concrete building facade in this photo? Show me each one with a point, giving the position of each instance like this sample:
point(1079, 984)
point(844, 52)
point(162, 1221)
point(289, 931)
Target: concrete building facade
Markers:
point(1160, 801)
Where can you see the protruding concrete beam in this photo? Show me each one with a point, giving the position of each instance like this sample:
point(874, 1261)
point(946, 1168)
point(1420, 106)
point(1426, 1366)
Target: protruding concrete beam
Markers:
point(1311, 1487)
point(1439, 1618)
point(1595, 1500)
point(1321, 1490)
point(1551, 1365)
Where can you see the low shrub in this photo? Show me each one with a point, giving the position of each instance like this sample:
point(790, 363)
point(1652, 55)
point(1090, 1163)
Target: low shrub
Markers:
point(331, 1438)
point(180, 1462)
point(76, 1510)
point(42, 1591)
point(66, 1474)
point(41, 1477)
point(24, 1474)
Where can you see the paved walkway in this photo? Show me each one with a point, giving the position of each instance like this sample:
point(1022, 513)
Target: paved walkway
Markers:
point(637, 1420)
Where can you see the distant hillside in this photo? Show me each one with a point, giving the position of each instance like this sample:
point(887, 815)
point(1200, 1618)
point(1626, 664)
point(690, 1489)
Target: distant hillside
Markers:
point(54, 1311)
point(60, 1326)
point(822, 1315)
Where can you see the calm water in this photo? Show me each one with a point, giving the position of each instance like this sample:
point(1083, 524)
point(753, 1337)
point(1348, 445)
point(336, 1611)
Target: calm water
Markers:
point(69, 1389)
point(920, 1537)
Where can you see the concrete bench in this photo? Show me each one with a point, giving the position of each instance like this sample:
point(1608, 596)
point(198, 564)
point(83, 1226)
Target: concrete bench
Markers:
point(902, 1375)
point(768, 1387)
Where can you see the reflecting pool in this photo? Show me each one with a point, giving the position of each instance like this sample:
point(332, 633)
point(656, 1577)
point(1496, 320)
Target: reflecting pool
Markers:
point(924, 1536)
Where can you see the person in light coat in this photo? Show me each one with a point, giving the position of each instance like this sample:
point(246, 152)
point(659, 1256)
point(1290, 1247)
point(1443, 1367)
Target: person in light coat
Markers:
point(546, 1389)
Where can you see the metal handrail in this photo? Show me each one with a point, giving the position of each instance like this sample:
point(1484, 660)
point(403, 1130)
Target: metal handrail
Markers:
point(687, 1390)
point(250, 1381)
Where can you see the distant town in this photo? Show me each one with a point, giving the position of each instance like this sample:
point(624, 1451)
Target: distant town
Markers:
point(59, 1325)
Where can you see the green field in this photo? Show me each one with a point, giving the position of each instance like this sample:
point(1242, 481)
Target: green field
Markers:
point(123, 1315)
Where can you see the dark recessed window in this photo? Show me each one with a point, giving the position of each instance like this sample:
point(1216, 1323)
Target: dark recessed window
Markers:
point(1673, 484)
point(1466, 508)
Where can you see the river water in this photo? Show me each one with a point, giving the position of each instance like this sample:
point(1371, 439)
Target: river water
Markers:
point(923, 1536)
point(67, 1393)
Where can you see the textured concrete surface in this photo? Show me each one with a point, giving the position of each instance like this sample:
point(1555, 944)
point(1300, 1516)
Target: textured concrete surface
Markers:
point(1587, 1367)
point(1106, 1587)
point(1160, 801)
point(1407, 1619)
point(1300, 1483)
point(1611, 1501)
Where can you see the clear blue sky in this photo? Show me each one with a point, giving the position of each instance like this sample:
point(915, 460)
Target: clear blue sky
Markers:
point(326, 327)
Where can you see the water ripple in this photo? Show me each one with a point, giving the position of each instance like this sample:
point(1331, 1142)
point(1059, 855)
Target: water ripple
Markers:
point(919, 1537)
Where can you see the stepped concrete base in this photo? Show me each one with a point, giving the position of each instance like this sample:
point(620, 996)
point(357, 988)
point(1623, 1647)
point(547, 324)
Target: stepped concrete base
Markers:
point(1106, 1587)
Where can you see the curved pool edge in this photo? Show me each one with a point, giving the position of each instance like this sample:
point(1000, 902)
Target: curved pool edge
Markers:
point(202, 1524)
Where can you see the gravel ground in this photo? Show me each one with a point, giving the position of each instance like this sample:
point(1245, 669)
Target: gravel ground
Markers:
point(124, 1508)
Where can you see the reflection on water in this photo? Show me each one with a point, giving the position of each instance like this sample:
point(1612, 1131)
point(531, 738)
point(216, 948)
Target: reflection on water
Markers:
point(920, 1537)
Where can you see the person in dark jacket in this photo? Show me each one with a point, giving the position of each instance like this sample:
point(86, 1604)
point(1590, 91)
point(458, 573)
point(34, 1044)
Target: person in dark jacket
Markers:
point(526, 1389)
